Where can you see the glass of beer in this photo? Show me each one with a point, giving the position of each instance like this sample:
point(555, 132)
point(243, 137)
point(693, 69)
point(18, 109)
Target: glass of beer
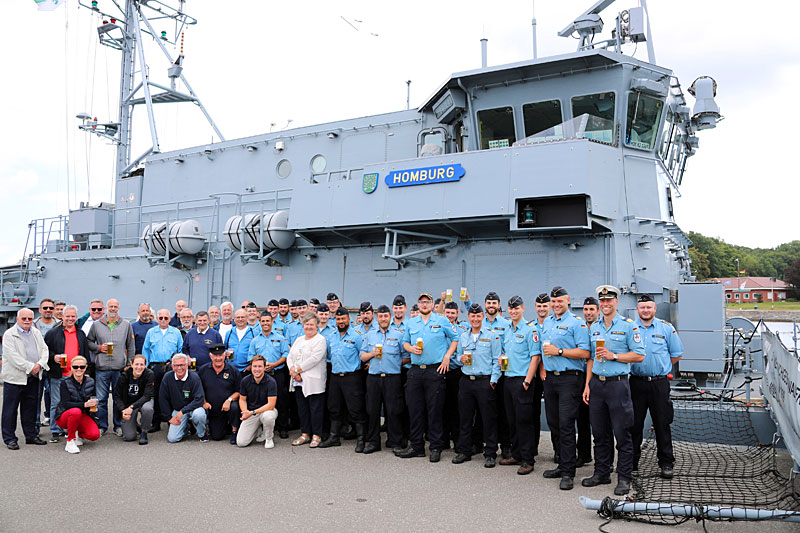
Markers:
point(504, 363)
point(62, 360)
point(93, 409)
point(600, 342)
point(379, 351)
point(468, 355)
point(229, 355)
point(463, 295)
point(193, 363)
point(448, 295)
point(109, 349)
point(545, 343)
point(419, 343)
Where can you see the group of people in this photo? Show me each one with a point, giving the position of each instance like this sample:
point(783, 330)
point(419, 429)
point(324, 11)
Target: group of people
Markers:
point(247, 374)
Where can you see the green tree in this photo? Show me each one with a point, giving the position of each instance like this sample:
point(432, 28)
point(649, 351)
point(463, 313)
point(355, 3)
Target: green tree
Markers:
point(700, 266)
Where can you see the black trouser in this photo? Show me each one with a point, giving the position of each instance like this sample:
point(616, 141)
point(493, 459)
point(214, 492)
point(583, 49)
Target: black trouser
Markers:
point(425, 391)
point(281, 377)
point(220, 422)
point(584, 432)
point(611, 412)
point(385, 389)
point(159, 369)
point(538, 393)
point(312, 411)
point(503, 432)
point(346, 397)
point(452, 422)
point(562, 394)
point(519, 411)
point(22, 399)
point(476, 396)
point(653, 395)
point(406, 418)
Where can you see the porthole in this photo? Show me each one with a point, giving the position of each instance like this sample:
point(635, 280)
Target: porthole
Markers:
point(284, 168)
point(318, 164)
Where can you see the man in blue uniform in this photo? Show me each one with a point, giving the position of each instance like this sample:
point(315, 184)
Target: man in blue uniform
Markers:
point(591, 309)
point(346, 386)
point(221, 388)
point(294, 329)
point(160, 344)
point(398, 325)
point(332, 301)
point(272, 308)
point(495, 320)
point(452, 422)
point(272, 346)
point(431, 341)
point(522, 349)
point(283, 318)
point(608, 393)
point(199, 339)
point(650, 386)
point(381, 349)
point(565, 340)
point(478, 353)
point(367, 318)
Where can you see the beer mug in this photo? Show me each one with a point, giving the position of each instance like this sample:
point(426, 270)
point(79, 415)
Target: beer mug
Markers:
point(229, 355)
point(448, 295)
point(419, 343)
point(504, 363)
point(545, 343)
point(600, 342)
point(93, 409)
point(62, 360)
point(463, 294)
point(379, 351)
point(193, 363)
point(468, 355)
point(109, 349)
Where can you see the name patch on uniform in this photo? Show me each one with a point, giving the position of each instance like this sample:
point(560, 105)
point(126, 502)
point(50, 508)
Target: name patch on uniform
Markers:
point(618, 333)
point(424, 176)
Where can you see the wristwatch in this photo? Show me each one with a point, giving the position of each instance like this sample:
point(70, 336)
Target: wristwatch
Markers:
point(526, 383)
point(560, 351)
point(230, 399)
point(615, 357)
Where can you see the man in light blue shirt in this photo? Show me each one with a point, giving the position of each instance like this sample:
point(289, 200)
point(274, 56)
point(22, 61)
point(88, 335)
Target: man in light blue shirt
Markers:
point(160, 344)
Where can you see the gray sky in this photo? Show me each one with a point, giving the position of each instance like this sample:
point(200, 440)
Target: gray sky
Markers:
point(255, 63)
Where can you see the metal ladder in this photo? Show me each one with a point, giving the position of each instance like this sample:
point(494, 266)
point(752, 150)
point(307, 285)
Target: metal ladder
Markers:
point(219, 278)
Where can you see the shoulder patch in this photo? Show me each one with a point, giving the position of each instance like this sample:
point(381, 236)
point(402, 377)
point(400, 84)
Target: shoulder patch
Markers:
point(531, 323)
point(628, 320)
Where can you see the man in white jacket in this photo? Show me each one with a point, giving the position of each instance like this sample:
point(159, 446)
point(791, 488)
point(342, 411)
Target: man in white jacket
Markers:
point(24, 358)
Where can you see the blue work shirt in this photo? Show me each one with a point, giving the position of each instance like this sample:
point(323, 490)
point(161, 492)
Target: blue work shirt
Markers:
point(345, 351)
point(458, 329)
point(393, 352)
point(360, 327)
point(292, 331)
point(401, 329)
point(160, 347)
point(279, 324)
point(622, 336)
point(520, 344)
point(499, 324)
point(661, 342)
point(485, 353)
point(567, 332)
point(272, 347)
point(241, 348)
point(437, 335)
point(329, 332)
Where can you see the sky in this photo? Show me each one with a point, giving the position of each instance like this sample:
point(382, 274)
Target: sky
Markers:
point(262, 65)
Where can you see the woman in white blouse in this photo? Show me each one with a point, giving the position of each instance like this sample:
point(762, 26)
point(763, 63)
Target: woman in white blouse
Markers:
point(307, 369)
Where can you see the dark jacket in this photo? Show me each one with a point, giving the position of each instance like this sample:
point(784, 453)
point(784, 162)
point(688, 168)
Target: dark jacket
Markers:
point(55, 342)
point(74, 394)
point(147, 386)
point(185, 396)
point(175, 321)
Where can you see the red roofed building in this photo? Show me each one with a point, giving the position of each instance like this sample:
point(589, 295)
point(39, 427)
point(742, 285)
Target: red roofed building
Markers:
point(749, 289)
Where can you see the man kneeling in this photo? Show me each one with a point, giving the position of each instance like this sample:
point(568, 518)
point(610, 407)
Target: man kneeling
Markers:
point(257, 397)
point(181, 400)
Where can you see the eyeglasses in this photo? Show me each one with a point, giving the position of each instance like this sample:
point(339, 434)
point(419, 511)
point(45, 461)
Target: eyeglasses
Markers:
point(48, 308)
point(78, 367)
point(25, 319)
point(163, 318)
point(144, 303)
point(178, 365)
point(96, 308)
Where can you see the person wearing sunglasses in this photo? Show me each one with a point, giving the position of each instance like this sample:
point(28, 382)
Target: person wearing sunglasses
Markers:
point(96, 309)
point(160, 344)
point(77, 407)
point(24, 356)
point(65, 342)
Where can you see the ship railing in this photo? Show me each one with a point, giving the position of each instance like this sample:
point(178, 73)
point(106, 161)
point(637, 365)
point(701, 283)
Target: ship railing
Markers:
point(47, 235)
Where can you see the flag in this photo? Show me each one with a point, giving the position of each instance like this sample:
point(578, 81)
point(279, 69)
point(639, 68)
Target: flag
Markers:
point(48, 5)
point(742, 271)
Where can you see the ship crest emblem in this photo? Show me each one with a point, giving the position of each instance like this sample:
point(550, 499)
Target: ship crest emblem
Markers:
point(370, 182)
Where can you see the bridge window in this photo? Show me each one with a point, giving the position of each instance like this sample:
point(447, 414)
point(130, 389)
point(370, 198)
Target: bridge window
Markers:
point(496, 127)
point(540, 116)
point(600, 108)
point(432, 143)
point(644, 117)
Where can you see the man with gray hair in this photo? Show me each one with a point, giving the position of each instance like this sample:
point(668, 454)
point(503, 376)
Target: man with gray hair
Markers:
point(226, 319)
point(181, 398)
point(24, 356)
point(112, 346)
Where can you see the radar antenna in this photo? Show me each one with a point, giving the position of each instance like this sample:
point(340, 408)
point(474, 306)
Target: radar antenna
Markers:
point(123, 31)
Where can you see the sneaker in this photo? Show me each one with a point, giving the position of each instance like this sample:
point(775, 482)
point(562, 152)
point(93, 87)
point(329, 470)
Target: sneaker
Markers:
point(78, 440)
point(46, 421)
point(261, 437)
point(72, 447)
point(54, 438)
point(102, 432)
point(269, 443)
point(204, 438)
point(118, 432)
point(143, 439)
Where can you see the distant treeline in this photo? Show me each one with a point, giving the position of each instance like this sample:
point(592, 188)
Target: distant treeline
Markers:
point(714, 258)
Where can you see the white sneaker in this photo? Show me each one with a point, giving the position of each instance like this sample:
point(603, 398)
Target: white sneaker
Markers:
point(269, 443)
point(72, 447)
point(261, 437)
point(78, 441)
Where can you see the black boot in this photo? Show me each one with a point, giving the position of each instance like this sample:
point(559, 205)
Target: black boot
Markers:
point(333, 438)
point(359, 438)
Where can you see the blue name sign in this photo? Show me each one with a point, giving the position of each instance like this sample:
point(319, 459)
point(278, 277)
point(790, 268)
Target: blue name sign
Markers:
point(424, 176)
